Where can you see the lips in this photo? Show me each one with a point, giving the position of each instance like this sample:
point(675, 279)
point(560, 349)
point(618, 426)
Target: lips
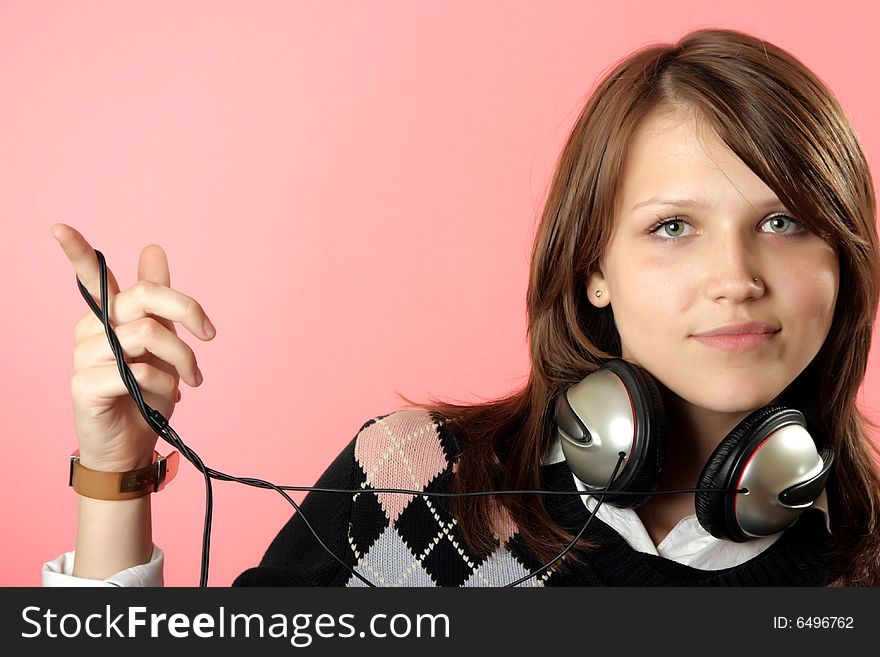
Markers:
point(744, 328)
point(745, 336)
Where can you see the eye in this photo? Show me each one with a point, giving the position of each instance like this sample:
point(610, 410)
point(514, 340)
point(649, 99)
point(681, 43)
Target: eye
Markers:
point(671, 227)
point(781, 222)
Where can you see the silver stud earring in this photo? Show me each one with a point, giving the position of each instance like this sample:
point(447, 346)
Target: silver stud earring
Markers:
point(598, 293)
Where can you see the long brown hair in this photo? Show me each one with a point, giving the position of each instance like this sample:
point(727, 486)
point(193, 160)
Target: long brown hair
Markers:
point(790, 130)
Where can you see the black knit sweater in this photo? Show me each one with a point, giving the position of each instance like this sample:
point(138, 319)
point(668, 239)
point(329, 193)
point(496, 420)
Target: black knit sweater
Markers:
point(404, 540)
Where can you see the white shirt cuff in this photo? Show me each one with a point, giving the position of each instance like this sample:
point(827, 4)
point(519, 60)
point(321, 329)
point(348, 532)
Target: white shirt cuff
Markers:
point(59, 572)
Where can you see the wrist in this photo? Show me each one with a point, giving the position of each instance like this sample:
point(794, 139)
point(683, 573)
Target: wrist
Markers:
point(122, 484)
point(121, 465)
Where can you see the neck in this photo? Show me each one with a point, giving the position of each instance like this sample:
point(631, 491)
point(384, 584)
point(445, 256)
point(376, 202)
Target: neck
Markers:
point(692, 434)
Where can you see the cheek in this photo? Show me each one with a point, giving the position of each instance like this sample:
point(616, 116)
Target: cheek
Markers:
point(648, 305)
point(809, 296)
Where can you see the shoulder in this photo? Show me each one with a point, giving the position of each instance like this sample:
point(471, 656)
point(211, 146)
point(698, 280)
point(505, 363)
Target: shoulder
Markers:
point(404, 449)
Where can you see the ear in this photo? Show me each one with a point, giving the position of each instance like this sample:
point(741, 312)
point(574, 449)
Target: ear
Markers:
point(596, 281)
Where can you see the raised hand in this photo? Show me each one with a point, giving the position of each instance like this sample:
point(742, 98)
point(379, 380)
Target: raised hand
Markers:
point(112, 433)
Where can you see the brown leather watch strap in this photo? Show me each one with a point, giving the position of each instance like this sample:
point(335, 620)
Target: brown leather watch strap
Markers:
point(123, 485)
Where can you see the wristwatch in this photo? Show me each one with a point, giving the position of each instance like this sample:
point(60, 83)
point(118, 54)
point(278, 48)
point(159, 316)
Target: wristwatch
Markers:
point(101, 485)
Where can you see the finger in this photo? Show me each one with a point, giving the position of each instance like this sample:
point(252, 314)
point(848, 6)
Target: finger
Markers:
point(146, 299)
point(137, 339)
point(153, 267)
point(99, 385)
point(85, 262)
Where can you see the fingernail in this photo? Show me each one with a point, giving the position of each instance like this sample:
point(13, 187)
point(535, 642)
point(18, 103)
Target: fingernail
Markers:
point(199, 377)
point(209, 328)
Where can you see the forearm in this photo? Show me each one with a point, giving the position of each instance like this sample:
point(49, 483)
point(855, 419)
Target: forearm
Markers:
point(112, 535)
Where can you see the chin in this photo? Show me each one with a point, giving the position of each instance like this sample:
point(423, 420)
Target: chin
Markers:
point(734, 404)
point(731, 391)
point(727, 394)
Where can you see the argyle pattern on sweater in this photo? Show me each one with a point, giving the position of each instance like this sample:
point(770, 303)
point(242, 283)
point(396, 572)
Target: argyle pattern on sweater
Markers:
point(407, 540)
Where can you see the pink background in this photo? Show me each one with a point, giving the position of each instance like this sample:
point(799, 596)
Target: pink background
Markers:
point(349, 188)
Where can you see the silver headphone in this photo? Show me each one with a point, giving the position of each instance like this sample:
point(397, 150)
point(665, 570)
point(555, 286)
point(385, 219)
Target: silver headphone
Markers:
point(770, 453)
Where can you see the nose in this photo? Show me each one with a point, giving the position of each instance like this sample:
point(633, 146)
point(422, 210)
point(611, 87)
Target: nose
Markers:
point(732, 270)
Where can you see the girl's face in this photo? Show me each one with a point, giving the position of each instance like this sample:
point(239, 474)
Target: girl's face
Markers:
point(695, 273)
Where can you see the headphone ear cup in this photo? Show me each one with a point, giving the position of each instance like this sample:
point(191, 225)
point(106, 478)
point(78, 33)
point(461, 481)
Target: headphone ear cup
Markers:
point(716, 512)
point(649, 451)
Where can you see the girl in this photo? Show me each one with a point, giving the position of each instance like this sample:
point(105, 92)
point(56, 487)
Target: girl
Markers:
point(709, 231)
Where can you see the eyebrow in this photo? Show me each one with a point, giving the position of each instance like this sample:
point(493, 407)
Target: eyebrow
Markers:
point(695, 203)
